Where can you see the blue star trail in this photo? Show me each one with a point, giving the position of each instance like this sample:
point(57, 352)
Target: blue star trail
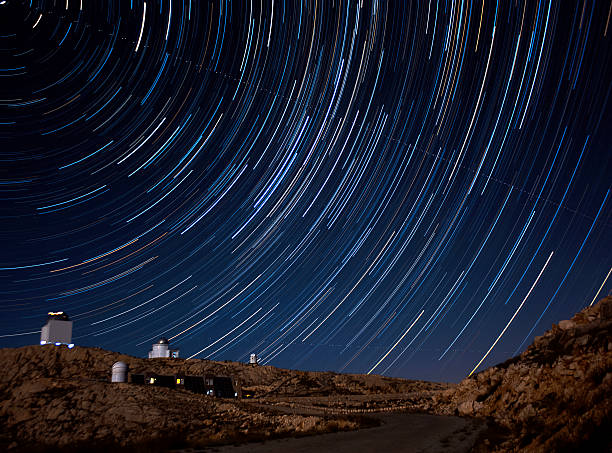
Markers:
point(414, 189)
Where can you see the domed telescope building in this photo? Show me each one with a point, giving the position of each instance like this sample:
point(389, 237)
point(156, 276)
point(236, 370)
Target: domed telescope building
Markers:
point(58, 330)
point(162, 349)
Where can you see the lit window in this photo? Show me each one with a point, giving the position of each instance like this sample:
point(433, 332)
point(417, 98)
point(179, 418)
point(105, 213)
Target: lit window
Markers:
point(152, 380)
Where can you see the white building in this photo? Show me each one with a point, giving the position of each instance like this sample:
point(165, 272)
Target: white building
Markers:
point(254, 360)
point(162, 349)
point(58, 330)
point(119, 372)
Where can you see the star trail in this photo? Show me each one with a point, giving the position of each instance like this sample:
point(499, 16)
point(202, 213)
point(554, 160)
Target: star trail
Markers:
point(410, 188)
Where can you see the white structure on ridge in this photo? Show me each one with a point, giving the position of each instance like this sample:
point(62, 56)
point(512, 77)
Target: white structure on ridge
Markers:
point(254, 360)
point(58, 330)
point(119, 372)
point(162, 349)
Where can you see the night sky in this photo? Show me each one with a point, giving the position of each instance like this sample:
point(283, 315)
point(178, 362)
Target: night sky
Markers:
point(413, 188)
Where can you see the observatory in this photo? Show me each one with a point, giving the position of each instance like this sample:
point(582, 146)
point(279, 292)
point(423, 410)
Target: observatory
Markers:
point(119, 372)
point(161, 349)
point(58, 330)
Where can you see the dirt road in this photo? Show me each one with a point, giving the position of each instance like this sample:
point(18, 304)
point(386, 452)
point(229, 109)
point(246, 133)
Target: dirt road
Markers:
point(399, 432)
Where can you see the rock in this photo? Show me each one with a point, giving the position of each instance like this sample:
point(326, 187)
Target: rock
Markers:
point(605, 308)
point(583, 340)
point(469, 407)
point(526, 413)
point(56, 398)
point(554, 396)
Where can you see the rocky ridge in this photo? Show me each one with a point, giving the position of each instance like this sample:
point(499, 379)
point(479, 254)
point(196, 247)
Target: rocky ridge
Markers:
point(555, 396)
point(84, 416)
point(55, 397)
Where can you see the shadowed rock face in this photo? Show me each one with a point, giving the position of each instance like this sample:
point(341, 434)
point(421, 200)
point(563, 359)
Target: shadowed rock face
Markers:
point(555, 396)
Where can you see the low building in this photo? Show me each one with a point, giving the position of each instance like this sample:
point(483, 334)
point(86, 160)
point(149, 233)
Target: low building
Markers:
point(160, 380)
point(138, 379)
point(217, 386)
point(57, 330)
point(195, 384)
point(223, 387)
point(161, 349)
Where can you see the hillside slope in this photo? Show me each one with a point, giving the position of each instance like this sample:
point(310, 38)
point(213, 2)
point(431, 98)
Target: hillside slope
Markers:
point(555, 396)
point(33, 362)
point(55, 397)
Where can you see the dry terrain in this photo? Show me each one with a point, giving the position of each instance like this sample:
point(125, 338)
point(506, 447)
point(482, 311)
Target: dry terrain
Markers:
point(55, 397)
point(553, 397)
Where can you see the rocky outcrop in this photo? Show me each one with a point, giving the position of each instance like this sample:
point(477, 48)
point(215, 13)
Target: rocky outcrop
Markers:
point(33, 362)
point(52, 413)
point(555, 396)
point(55, 397)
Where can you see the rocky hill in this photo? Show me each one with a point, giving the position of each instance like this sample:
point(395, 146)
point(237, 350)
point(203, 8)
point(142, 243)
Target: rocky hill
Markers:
point(555, 396)
point(33, 362)
point(55, 397)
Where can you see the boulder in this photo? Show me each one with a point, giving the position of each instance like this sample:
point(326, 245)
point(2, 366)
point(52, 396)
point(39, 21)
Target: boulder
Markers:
point(469, 407)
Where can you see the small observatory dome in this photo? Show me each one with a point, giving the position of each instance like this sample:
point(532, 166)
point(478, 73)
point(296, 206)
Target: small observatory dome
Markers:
point(119, 372)
point(161, 348)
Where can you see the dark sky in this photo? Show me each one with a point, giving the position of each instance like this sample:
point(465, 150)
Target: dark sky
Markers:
point(413, 188)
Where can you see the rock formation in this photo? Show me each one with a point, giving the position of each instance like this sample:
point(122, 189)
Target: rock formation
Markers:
point(55, 397)
point(555, 396)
